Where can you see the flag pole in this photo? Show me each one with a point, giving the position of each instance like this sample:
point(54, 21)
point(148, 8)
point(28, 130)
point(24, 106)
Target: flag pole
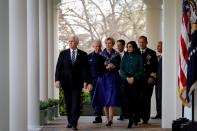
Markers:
point(192, 106)
point(183, 110)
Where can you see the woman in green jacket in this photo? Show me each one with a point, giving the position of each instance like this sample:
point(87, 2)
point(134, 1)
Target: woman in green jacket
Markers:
point(131, 70)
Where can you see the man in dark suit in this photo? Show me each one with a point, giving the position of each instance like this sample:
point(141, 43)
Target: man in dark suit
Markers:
point(71, 72)
point(120, 49)
point(158, 87)
point(149, 77)
point(96, 61)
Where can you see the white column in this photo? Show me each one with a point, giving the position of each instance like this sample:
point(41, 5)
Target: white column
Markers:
point(18, 64)
point(171, 108)
point(153, 22)
point(56, 51)
point(4, 68)
point(195, 105)
point(43, 47)
point(50, 49)
point(33, 65)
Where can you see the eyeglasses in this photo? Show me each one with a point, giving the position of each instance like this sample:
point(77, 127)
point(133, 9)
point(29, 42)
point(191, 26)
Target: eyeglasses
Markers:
point(70, 41)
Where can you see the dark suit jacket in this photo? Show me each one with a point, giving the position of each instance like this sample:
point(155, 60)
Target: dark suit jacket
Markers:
point(96, 64)
point(70, 75)
point(150, 63)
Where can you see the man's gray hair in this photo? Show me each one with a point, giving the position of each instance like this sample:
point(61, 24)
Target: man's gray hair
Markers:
point(76, 38)
point(97, 41)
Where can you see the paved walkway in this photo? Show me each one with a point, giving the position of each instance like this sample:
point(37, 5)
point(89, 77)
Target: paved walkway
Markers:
point(85, 124)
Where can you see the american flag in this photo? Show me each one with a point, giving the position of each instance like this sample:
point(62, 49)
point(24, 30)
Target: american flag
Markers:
point(192, 59)
point(183, 52)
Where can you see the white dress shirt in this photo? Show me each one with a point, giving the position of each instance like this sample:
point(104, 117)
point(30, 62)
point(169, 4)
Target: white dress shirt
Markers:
point(142, 50)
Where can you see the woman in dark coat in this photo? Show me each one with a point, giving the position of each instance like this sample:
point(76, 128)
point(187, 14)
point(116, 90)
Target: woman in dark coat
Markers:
point(131, 70)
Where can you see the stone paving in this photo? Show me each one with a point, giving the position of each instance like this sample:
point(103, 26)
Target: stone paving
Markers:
point(85, 124)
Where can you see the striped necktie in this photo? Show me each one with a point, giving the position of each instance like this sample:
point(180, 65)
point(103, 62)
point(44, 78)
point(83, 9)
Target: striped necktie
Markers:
point(73, 57)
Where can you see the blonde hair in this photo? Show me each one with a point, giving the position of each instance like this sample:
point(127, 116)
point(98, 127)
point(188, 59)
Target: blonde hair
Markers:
point(111, 39)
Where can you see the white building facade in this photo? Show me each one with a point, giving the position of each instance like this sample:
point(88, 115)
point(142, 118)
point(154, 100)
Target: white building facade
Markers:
point(28, 54)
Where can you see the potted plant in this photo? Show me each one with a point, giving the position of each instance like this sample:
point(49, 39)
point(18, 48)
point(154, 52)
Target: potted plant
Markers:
point(43, 112)
point(56, 104)
point(51, 109)
point(62, 106)
point(86, 107)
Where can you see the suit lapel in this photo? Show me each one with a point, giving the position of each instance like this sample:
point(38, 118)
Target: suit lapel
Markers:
point(146, 51)
point(69, 57)
point(77, 57)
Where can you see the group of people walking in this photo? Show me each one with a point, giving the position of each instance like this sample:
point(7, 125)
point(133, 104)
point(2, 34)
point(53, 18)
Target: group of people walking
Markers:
point(115, 78)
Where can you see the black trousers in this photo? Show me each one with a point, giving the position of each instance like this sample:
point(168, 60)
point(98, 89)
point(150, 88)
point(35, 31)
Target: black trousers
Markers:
point(131, 100)
point(98, 110)
point(146, 91)
point(158, 94)
point(72, 101)
point(122, 99)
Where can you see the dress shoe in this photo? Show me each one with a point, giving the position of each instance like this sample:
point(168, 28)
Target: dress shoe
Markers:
point(136, 123)
point(74, 128)
point(129, 125)
point(98, 119)
point(69, 126)
point(156, 117)
point(145, 122)
point(130, 122)
point(121, 118)
point(109, 124)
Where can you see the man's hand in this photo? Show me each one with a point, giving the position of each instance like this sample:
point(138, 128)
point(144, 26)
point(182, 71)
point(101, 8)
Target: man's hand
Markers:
point(57, 84)
point(151, 81)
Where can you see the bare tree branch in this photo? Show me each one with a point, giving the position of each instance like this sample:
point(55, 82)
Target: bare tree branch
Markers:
point(102, 14)
point(91, 20)
point(87, 19)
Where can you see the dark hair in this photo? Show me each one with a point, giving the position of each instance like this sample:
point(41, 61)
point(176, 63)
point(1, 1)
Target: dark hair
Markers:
point(111, 39)
point(134, 45)
point(143, 37)
point(121, 41)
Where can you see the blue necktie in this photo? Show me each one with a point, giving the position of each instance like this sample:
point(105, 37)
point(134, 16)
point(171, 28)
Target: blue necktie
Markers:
point(73, 57)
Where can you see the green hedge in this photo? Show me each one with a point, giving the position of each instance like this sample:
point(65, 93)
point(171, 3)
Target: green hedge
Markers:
point(53, 102)
point(62, 105)
point(43, 105)
point(85, 99)
point(49, 103)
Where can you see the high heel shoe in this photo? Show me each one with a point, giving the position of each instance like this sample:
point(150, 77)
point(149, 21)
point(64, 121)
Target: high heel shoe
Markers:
point(109, 123)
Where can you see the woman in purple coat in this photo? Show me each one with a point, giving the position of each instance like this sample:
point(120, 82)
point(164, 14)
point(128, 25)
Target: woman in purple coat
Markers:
point(109, 83)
